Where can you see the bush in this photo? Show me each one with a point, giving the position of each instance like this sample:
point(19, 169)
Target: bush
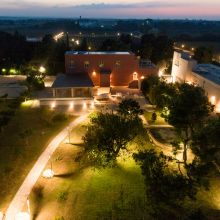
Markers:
point(38, 191)
point(62, 196)
point(154, 117)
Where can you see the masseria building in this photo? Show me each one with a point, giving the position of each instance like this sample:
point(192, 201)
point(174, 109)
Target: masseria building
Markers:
point(207, 76)
point(86, 72)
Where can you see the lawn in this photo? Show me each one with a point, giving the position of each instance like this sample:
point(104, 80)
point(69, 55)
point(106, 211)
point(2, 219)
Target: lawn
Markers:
point(78, 192)
point(159, 121)
point(19, 153)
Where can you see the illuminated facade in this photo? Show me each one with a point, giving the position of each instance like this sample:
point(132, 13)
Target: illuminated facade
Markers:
point(88, 70)
point(207, 76)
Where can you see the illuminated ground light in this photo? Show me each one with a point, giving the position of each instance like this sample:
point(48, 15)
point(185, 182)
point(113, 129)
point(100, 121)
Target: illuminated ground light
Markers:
point(42, 69)
point(71, 106)
point(53, 105)
point(48, 173)
point(92, 105)
point(22, 216)
point(84, 106)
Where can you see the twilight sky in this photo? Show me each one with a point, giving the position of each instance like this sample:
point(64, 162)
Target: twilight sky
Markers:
point(205, 9)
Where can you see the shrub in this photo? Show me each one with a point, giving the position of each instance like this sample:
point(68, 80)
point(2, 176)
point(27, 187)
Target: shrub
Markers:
point(154, 117)
point(38, 191)
point(62, 196)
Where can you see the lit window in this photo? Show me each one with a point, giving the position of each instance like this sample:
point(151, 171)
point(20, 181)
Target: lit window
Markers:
point(135, 76)
point(101, 64)
point(86, 64)
point(72, 64)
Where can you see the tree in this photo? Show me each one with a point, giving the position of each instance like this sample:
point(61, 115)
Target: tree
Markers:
point(148, 83)
point(165, 188)
point(106, 135)
point(203, 55)
point(129, 108)
point(161, 94)
point(206, 144)
point(187, 112)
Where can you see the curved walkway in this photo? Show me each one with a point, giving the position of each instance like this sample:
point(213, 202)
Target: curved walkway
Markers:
point(21, 196)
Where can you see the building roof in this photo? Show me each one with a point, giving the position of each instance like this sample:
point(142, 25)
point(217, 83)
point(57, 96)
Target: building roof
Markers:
point(72, 80)
point(97, 53)
point(208, 71)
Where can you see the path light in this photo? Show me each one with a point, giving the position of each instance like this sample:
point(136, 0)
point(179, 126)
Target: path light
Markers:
point(22, 216)
point(53, 105)
point(48, 174)
point(92, 105)
point(42, 69)
point(1, 215)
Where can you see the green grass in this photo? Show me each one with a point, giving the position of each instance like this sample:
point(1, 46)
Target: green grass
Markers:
point(117, 193)
point(17, 154)
point(159, 121)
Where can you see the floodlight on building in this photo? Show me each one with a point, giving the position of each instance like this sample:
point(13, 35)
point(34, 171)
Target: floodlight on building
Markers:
point(22, 216)
point(213, 100)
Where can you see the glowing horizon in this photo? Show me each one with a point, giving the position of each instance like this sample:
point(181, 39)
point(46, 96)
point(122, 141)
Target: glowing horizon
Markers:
point(115, 9)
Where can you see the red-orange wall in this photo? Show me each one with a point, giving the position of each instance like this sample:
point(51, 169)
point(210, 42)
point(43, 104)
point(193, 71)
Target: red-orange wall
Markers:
point(120, 76)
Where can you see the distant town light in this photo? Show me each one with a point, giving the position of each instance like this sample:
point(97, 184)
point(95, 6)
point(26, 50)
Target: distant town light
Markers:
point(160, 73)
point(3, 70)
point(118, 34)
point(192, 48)
point(77, 42)
point(42, 69)
point(73, 40)
point(89, 48)
point(131, 34)
point(183, 45)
